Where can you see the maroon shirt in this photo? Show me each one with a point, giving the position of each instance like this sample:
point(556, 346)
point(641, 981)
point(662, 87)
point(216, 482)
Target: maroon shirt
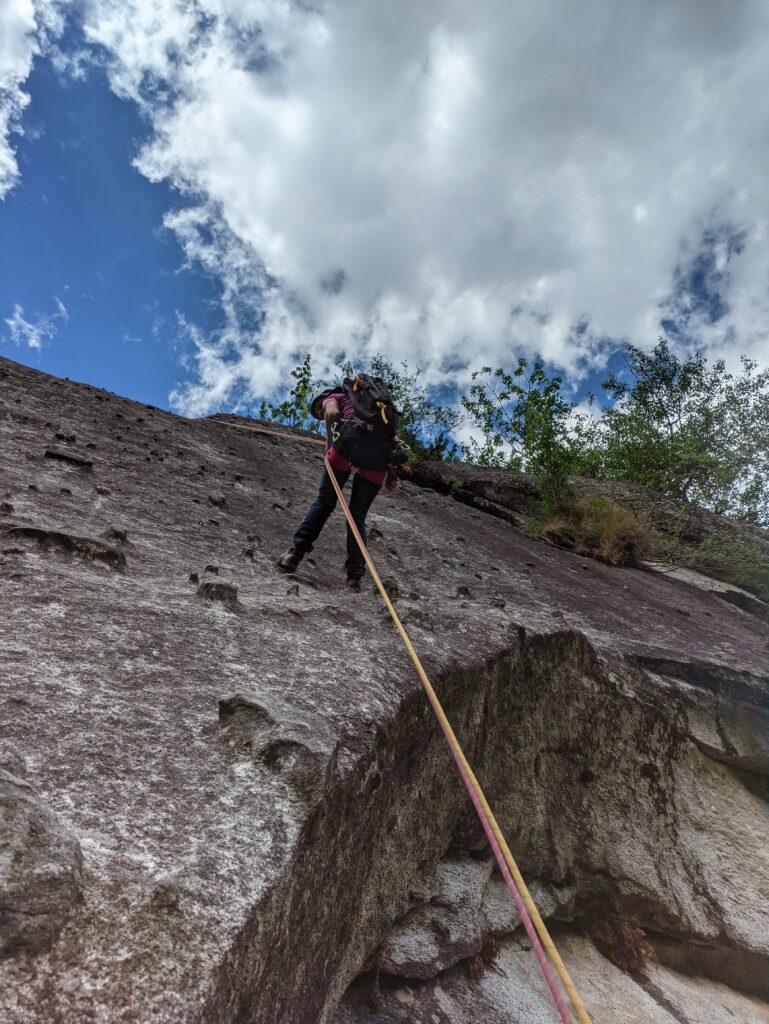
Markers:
point(342, 399)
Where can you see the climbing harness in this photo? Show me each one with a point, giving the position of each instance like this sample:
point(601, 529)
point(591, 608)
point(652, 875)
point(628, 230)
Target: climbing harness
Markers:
point(530, 916)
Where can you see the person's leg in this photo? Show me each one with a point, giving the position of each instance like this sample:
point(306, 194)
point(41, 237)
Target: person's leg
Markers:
point(363, 493)
point(317, 514)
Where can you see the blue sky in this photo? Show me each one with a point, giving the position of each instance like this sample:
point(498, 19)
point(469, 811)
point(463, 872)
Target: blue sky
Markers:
point(180, 184)
point(84, 227)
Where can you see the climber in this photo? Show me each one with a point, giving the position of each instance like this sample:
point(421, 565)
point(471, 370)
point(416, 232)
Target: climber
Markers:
point(361, 422)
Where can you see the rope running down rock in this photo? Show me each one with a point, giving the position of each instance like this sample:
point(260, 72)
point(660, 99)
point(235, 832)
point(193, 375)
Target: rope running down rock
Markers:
point(527, 909)
point(530, 916)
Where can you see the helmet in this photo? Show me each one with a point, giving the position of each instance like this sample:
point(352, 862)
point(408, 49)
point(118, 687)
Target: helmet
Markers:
point(316, 408)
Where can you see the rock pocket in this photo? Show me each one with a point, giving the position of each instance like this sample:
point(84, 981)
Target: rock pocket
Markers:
point(86, 548)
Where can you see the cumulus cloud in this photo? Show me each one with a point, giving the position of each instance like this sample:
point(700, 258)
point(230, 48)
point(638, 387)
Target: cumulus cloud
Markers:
point(454, 183)
point(26, 30)
point(35, 331)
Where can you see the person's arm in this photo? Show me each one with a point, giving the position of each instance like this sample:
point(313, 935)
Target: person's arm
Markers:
point(331, 414)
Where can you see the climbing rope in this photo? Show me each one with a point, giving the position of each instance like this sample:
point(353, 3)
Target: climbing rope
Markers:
point(530, 916)
point(270, 433)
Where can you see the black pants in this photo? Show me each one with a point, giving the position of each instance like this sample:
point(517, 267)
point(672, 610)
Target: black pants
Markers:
point(363, 493)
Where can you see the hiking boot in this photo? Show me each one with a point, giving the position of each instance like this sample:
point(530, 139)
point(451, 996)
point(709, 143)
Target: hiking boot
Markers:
point(354, 584)
point(289, 560)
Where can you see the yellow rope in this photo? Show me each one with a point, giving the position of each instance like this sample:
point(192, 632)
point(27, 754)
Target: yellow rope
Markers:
point(539, 924)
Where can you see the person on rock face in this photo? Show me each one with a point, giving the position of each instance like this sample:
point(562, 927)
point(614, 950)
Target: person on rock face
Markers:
point(361, 422)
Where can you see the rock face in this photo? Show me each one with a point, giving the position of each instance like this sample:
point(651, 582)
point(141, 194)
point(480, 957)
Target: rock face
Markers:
point(729, 552)
point(511, 991)
point(41, 871)
point(463, 903)
point(270, 825)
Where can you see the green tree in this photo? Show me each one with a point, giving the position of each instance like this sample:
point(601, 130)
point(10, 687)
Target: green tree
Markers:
point(524, 424)
point(294, 410)
point(692, 431)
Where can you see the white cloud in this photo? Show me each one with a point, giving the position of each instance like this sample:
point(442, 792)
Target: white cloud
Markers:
point(33, 332)
point(26, 29)
point(451, 182)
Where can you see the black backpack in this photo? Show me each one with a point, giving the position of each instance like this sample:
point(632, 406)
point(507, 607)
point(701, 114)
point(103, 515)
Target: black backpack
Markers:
point(367, 441)
point(372, 401)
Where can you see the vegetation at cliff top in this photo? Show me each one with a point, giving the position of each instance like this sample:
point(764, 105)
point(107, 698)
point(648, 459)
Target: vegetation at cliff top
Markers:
point(682, 427)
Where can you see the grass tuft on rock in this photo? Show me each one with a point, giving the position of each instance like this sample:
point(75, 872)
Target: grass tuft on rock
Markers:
point(596, 528)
